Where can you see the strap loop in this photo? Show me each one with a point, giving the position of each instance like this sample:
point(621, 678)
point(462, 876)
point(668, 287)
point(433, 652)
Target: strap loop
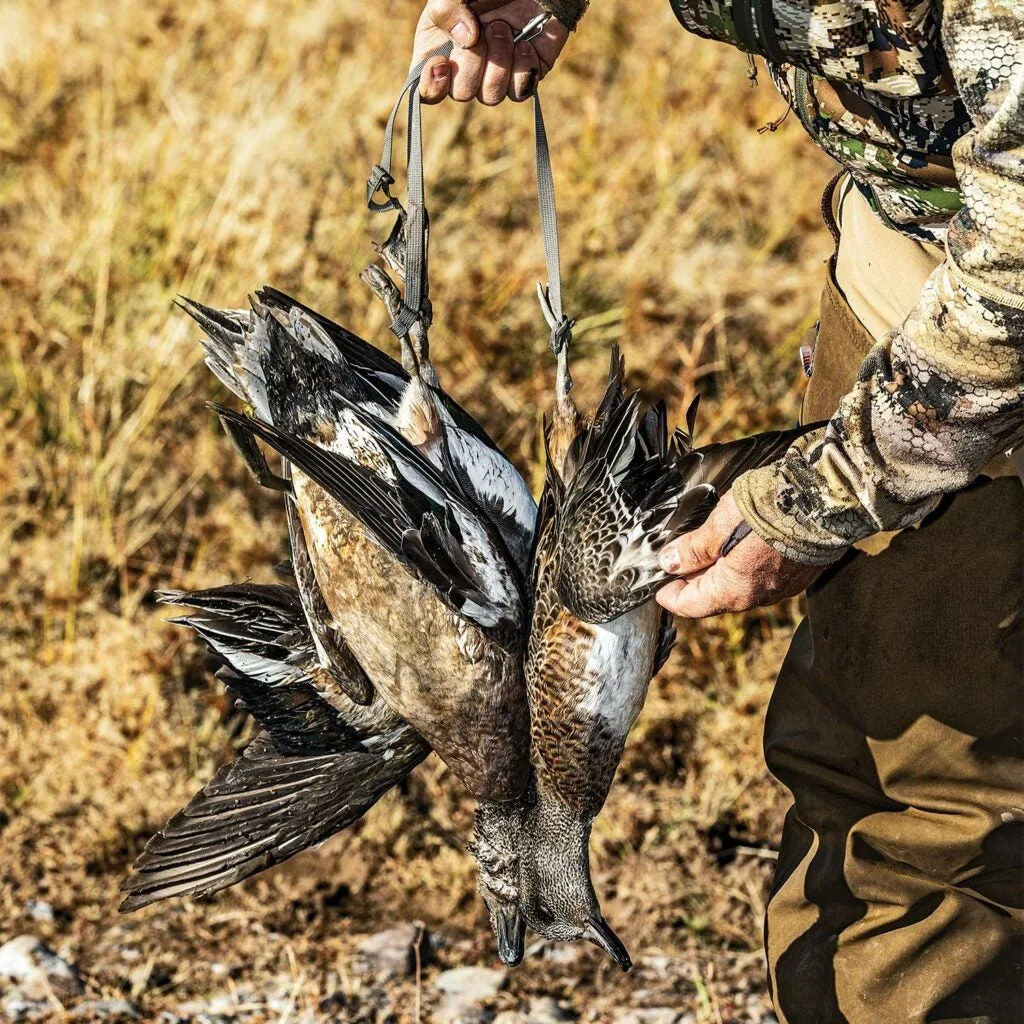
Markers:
point(380, 180)
point(416, 302)
point(550, 297)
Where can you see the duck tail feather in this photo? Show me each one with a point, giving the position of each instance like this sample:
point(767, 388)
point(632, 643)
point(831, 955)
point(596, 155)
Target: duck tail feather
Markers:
point(228, 346)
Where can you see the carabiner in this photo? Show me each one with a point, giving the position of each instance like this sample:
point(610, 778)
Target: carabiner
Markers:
point(533, 28)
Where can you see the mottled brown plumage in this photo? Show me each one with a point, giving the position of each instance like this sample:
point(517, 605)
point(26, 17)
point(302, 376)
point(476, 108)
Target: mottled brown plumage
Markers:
point(461, 689)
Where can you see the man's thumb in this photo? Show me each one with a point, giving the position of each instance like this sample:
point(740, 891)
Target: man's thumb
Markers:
point(456, 20)
point(692, 552)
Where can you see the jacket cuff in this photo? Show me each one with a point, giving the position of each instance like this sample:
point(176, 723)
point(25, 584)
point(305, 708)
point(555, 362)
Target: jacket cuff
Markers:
point(762, 498)
point(568, 12)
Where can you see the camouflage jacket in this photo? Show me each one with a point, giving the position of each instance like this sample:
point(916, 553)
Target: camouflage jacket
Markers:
point(923, 102)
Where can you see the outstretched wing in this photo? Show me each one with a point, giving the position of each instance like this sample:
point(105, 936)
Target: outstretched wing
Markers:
point(271, 667)
point(631, 494)
point(264, 808)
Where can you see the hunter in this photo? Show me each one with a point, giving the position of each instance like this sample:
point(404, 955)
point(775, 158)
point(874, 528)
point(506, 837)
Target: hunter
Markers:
point(896, 721)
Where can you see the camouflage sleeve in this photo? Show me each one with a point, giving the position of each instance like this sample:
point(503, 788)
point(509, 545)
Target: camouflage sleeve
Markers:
point(944, 392)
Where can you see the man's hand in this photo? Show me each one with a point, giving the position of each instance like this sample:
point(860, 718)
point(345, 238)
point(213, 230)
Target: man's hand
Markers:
point(752, 574)
point(485, 64)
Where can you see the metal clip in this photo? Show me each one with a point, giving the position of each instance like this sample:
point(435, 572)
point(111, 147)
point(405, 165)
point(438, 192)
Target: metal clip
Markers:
point(533, 28)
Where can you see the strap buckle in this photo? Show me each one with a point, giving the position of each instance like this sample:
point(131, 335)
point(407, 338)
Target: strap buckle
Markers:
point(380, 180)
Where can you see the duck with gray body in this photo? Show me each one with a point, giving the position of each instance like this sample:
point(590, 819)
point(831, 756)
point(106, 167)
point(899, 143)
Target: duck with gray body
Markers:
point(410, 513)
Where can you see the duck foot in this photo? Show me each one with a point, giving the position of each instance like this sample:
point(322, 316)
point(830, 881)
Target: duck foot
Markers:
point(254, 459)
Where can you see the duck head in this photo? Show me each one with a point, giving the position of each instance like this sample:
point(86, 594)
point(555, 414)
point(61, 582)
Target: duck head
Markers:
point(556, 894)
point(496, 847)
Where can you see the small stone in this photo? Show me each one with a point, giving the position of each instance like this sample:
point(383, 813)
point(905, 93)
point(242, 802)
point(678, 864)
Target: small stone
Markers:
point(40, 973)
point(455, 1012)
point(472, 984)
point(657, 965)
point(16, 1006)
point(687, 1018)
point(106, 1009)
point(546, 1010)
point(391, 954)
point(40, 910)
point(511, 1017)
point(655, 1015)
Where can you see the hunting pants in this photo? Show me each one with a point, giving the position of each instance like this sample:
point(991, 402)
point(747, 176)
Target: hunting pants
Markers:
point(896, 723)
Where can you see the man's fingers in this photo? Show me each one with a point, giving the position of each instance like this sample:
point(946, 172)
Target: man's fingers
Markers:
point(525, 73)
point(712, 593)
point(693, 551)
point(436, 80)
point(703, 547)
point(498, 72)
point(548, 45)
point(468, 68)
point(456, 20)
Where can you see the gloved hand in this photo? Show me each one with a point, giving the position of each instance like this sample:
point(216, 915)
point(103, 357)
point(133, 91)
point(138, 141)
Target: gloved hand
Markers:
point(484, 65)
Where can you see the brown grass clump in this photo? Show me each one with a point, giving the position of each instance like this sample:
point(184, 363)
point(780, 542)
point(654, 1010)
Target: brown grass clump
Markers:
point(209, 146)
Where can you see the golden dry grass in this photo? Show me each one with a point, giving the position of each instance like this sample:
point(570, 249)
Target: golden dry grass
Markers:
point(206, 147)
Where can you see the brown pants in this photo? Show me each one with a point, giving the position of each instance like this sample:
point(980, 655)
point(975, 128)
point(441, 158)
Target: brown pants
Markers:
point(897, 725)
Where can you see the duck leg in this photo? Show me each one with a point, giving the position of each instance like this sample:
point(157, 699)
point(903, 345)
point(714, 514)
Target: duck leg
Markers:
point(255, 461)
point(393, 252)
point(377, 280)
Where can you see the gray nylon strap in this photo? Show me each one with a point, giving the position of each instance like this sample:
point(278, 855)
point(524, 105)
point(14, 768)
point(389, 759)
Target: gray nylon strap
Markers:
point(550, 298)
point(381, 180)
point(418, 222)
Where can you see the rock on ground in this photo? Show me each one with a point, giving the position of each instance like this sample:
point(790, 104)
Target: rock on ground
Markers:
point(472, 984)
point(38, 971)
point(655, 1015)
point(391, 954)
point(105, 1010)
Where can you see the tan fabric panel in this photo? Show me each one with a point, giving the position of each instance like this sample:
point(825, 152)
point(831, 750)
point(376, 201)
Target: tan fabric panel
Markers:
point(874, 281)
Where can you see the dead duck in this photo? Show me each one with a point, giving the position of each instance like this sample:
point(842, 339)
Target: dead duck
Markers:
point(618, 489)
point(425, 563)
point(319, 763)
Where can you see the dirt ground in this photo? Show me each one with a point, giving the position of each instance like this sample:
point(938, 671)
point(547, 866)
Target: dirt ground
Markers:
point(205, 147)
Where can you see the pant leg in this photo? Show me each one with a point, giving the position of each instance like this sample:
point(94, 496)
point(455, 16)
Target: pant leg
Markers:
point(896, 723)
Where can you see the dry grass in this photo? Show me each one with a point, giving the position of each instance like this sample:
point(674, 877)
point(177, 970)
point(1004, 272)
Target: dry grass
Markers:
point(206, 147)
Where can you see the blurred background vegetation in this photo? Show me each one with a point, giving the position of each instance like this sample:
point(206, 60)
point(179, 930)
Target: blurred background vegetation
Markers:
point(205, 147)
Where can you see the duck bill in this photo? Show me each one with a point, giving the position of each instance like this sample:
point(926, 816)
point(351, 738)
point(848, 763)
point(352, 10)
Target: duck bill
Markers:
point(601, 935)
point(511, 929)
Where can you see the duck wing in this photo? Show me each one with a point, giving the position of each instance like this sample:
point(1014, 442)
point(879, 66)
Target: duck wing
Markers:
point(621, 505)
point(272, 669)
point(630, 494)
point(316, 769)
point(263, 808)
point(418, 514)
